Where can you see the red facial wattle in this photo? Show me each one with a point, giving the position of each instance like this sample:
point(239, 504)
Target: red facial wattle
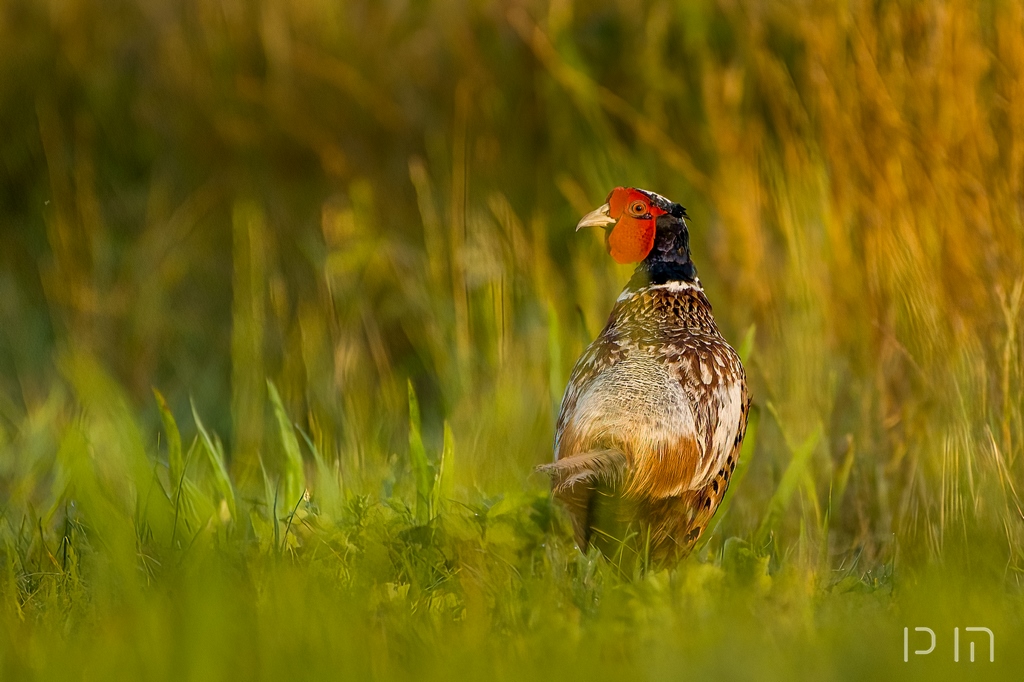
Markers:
point(632, 237)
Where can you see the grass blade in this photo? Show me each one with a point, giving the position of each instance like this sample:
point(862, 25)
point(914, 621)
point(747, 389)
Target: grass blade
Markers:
point(294, 473)
point(791, 480)
point(421, 468)
point(444, 482)
point(215, 455)
point(175, 460)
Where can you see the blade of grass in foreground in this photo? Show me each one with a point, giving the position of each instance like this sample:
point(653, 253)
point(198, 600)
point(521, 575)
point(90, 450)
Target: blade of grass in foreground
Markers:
point(418, 458)
point(174, 458)
point(216, 459)
point(294, 474)
point(444, 481)
point(791, 479)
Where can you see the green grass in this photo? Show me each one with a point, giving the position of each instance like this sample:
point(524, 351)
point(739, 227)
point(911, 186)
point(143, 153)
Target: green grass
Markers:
point(289, 293)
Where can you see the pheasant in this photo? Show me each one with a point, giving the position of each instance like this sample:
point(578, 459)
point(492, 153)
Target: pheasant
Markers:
point(651, 423)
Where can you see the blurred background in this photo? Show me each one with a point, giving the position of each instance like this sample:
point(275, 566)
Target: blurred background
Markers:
point(349, 198)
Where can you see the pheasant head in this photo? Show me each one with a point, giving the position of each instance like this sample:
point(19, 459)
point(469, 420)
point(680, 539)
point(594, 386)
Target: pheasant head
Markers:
point(646, 228)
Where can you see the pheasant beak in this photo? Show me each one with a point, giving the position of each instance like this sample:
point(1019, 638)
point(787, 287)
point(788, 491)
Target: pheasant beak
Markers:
point(599, 217)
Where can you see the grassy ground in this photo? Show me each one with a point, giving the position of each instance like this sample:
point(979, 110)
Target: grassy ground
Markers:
point(337, 240)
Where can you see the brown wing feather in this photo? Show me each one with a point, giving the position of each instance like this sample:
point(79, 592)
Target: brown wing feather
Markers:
point(679, 521)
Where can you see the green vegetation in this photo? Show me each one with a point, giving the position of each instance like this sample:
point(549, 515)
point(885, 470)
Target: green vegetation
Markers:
point(289, 293)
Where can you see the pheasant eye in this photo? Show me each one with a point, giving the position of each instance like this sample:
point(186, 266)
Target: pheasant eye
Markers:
point(637, 208)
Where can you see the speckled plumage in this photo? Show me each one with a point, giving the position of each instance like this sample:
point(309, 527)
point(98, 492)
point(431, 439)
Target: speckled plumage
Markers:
point(654, 414)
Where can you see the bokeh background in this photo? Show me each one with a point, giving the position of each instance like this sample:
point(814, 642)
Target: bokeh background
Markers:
point(370, 205)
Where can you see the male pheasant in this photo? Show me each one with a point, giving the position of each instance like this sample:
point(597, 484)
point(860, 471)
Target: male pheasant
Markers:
point(651, 423)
